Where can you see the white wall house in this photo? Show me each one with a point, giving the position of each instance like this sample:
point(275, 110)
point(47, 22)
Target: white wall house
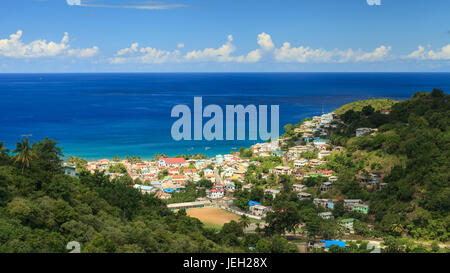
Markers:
point(216, 193)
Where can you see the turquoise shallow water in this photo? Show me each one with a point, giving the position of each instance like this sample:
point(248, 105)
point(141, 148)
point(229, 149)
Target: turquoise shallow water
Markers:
point(102, 115)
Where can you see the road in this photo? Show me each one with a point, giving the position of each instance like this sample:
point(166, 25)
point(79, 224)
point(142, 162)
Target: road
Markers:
point(218, 178)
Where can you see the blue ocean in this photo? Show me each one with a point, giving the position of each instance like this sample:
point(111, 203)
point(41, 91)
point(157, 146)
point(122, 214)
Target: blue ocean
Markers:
point(97, 116)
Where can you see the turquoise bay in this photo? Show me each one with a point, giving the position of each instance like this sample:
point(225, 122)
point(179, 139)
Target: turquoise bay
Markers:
point(101, 115)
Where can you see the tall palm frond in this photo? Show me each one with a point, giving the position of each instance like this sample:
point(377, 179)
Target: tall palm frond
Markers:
point(24, 153)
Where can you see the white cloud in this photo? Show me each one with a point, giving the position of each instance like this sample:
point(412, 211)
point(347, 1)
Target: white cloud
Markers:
point(265, 41)
point(143, 5)
point(224, 53)
point(253, 56)
point(374, 2)
point(84, 53)
point(73, 2)
point(221, 54)
point(132, 49)
point(153, 55)
point(144, 55)
point(418, 54)
point(134, 54)
point(15, 48)
point(301, 54)
point(304, 54)
point(422, 54)
point(379, 54)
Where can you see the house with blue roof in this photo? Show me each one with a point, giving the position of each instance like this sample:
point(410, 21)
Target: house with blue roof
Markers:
point(253, 203)
point(147, 188)
point(333, 242)
point(320, 141)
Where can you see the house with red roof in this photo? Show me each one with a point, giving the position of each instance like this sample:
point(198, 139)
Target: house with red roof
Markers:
point(103, 162)
point(189, 171)
point(218, 186)
point(171, 162)
point(174, 171)
point(179, 178)
point(326, 172)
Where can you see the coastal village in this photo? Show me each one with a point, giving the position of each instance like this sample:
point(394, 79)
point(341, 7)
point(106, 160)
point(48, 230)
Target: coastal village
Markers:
point(166, 176)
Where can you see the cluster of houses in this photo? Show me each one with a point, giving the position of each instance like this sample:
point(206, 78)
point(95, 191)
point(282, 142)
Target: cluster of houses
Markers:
point(267, 148)
point(349, 204)
point(365, 131)
point(166, 176)
point(162, 177)
point(229, 168)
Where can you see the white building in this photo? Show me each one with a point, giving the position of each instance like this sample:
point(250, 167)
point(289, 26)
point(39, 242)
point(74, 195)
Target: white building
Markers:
point(300, 163)
point(274, 192)
point(326, 118)
point(364, 131)
point(332, 178)
point(326, 215)
point(323, 154)
point(299, 187)
point(303, 195)
point(281, 170)
point(259, 210)
point(70, 170)
point(216, 193)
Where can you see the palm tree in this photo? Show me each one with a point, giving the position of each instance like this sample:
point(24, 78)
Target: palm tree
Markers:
point(4, 152)
point(25, 153)
point(3, 149)
point(244, 221)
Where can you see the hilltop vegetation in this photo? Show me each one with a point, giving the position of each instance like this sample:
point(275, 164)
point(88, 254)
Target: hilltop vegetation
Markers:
point(411, 151)
point(412, 148)
point(357, 106)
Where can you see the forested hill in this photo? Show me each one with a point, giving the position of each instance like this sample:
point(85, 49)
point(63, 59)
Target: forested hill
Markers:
point(377, 104)
point(41, 210)
point(412, 147)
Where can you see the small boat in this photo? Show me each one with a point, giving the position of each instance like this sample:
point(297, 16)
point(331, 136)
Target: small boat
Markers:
point(190, 149)
point(207, 148)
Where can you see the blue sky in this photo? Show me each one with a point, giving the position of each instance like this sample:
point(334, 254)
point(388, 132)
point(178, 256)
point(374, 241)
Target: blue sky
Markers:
point(224, 35)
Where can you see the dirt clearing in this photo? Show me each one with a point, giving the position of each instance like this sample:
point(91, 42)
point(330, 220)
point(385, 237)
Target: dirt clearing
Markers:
point(212, 215)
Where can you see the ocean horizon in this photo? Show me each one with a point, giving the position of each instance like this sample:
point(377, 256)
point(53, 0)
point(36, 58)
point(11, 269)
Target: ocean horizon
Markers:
point(100, 115)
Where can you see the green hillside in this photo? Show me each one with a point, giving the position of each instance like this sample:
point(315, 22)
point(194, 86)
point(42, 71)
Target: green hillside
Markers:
point(412, 148)
point(377, 104)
